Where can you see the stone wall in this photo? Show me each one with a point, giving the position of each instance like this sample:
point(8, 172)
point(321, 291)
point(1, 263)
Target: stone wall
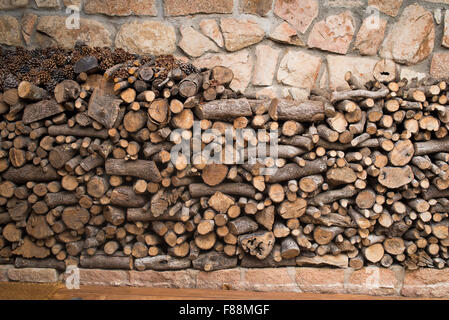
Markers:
point(275, 47)
point(393, 281)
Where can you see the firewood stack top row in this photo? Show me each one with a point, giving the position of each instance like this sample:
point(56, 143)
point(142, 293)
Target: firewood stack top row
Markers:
point(88, 176)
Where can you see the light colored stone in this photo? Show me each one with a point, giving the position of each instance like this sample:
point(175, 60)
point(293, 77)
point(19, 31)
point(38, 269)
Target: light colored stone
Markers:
point(121, 8)
point(411, 39)
point(437, 15)
point(209, 27)
point(445, 41)
point(299, 69)
point(439, 67)
point(229, 279)
point(345, 3)
point(333, 34)
point(28, 22)
point(299, 94)
point(320, 280)
point(163, 279)
point(41, 275)
point(152, 37)
point(438, 1)
point(324, 80)
point(241, 64)
point(285, 33)
point(13, 4)
point(374, 281)
point(48, 4)
point(270, 279)
point(265, 67)
point(259, 7)
point(370, 35)
point(194, 43)
point(361, 67)
point(239, 34)
point(299, 13)
point(10, 31)
point(93, 33)
point(183, 7)
point(268, 92)
point(426, 282)
point(390, 7)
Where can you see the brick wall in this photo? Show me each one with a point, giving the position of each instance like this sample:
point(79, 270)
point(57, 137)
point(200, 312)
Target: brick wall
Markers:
point(394, 281)
point(275, 47)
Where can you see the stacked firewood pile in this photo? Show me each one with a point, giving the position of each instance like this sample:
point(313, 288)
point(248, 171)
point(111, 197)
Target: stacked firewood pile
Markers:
point(88, 176)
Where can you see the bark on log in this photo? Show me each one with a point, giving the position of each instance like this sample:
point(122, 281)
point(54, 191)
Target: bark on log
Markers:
point(143, 169)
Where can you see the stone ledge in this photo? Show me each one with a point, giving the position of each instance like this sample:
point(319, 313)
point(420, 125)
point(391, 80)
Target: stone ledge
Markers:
point(393, 281)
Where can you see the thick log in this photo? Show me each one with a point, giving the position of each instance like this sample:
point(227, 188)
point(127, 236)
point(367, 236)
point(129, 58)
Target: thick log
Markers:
point(106, 262)
point(29, 91)
point(52, 263)
point(395, 177)
point(161, 263)
point(306, 111)
point(30, 172)
point(223, 109)
point(124, 196)
point(61, 198)
point(143, 169)
point(432, 146)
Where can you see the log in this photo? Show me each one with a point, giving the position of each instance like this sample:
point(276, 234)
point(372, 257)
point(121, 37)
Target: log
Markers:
point(307, 111)
point(30, 172)
point(106, 262)
point(198, 190)
point(294, 171)
point(395, 177)
point(143, 169)
point(223, 109)
point(124, 196)
point(77, 131)
point(29, 91)
point(41, 110)
point(103, 108)
point(339, 261)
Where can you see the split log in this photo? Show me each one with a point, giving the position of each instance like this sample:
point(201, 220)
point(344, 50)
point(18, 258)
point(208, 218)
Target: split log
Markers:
point(103, 108)
point(41, 110)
